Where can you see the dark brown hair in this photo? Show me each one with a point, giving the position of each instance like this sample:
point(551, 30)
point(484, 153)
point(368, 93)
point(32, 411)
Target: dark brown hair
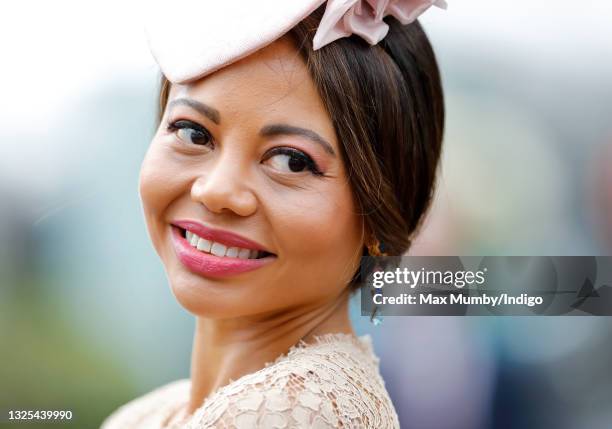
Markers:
point(387, 107)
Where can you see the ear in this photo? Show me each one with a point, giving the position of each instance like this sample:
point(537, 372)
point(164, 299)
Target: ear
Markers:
point(369, 238)
point(366, 234)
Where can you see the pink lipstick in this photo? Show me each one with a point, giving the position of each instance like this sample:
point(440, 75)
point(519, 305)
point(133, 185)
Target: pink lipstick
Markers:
point(204, 262)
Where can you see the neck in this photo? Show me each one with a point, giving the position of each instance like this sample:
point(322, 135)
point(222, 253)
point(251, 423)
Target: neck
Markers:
point(227, 349)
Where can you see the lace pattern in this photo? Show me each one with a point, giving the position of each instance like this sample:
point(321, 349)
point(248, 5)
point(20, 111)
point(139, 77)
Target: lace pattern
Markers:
point(333, 382)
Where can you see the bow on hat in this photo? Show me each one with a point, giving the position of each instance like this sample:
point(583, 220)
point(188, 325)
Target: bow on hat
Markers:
point(365, 18)
point(192, 38)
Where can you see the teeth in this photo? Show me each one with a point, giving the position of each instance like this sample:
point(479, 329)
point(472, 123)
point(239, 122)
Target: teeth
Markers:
point(244, 253)
point(204, 244)
point(219, 249)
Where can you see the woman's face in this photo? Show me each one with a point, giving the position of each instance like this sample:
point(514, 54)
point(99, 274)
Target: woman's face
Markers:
point(247, 158)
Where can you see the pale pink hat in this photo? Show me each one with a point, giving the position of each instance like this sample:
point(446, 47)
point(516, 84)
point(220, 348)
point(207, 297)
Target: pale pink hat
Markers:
point(192, 38)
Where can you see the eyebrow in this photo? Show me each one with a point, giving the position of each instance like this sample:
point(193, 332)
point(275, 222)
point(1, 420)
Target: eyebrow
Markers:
point(284, 129)
point(204, 109)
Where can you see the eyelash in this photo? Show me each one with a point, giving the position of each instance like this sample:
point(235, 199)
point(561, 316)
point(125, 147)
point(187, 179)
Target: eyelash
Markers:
point(294, 153)
point(182, 124)
point(311, 165)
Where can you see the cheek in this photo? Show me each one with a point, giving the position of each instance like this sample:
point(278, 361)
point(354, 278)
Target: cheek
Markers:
point(321, 235)
point(158, 186)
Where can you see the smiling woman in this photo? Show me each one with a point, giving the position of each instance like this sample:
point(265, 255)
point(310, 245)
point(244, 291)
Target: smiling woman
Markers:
point(268, 178)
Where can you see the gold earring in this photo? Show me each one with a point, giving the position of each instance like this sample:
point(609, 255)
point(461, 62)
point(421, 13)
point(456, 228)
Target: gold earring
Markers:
point(374, 249)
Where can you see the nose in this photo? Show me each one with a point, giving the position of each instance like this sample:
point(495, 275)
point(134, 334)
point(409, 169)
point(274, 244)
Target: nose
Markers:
point(224, 187)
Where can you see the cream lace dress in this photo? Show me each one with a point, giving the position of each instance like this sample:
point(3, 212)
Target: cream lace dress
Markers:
point(333, 382)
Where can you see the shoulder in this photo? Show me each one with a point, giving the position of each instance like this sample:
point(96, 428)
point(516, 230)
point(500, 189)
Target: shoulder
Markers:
point(332, 383)
point(141, 410)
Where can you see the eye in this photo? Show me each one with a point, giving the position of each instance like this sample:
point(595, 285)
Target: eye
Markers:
point(191, 133)
point(289, 160)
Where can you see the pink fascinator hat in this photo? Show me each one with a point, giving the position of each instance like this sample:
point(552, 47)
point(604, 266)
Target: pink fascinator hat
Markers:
point(192, 38)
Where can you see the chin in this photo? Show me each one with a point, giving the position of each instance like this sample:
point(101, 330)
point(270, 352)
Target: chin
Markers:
point(198, 295)
point(214, 298)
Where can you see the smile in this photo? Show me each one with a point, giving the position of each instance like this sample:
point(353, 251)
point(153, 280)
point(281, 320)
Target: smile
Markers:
point(216, 253)
point(219, 249)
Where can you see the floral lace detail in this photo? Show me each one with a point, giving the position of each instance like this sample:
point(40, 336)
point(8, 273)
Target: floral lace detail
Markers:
point(333, 382)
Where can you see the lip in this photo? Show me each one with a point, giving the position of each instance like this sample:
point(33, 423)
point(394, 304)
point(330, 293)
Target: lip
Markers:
point(226, 238)
point(209, 265)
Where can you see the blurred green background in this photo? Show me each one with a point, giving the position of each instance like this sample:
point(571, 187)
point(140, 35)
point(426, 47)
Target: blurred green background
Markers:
point(87, 321)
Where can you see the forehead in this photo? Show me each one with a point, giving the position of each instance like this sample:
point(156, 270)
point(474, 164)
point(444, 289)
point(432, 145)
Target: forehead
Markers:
point(274, 79)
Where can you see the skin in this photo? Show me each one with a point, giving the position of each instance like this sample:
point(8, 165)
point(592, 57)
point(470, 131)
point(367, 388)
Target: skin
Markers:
point(309, 222)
